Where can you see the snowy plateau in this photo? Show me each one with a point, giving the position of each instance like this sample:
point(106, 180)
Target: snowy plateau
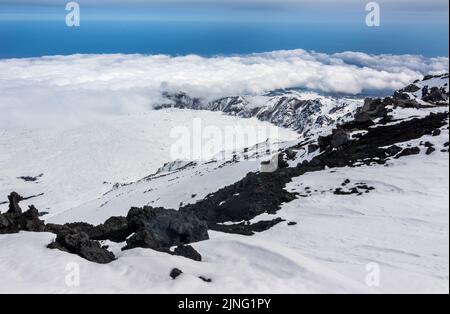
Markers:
point(359, 202)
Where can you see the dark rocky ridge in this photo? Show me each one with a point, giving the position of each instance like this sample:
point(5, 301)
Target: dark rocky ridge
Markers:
point(147, 227)
point(260, 193)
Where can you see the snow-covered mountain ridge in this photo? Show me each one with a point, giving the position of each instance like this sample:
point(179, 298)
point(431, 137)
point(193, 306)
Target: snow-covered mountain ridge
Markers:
point(307, 111)
point(371, 186)
point(300, 111)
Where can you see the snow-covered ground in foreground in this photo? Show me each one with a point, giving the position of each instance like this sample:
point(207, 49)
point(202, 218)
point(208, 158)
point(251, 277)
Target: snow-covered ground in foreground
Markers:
point(402, 226)
point(235, 264)
point(327, 251)
point(81, 162)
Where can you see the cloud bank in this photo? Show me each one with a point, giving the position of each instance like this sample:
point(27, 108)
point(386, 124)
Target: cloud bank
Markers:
point(115, 84)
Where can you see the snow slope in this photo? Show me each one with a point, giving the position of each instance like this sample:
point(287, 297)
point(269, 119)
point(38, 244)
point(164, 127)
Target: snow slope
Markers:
point(326, 252)
point(262, 268)
point(81, 162)
point(402, 225)
point(99, 166)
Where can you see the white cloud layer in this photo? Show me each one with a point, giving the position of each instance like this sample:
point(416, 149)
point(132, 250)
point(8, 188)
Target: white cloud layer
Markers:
point(87, 84)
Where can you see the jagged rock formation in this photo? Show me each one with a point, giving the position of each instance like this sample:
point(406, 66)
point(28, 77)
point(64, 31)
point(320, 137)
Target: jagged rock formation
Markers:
point(289, 110)
point(27, 221)
point(432, 91)
point(147, 227)
point(79, 243)
point(114, 229)
point(14, 199)
point(160, 229)
point(15, 220)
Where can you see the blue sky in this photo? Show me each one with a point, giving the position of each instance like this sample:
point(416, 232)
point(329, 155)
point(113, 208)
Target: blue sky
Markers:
point(206, 27)
point(262, 9)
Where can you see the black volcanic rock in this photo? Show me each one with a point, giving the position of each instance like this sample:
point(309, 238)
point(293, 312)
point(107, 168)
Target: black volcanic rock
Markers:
point(324, 142)
point(188, 252)
point(14, 220)
point(346, 181)
point(145, 239)
point(115, 229)
point(175, 273)
point(435, 95)
point(160, 229)
point(412, 88)
point(408, 152)
point(78, 242)
point(312, 148)
point(154, 228)
point(339, 191)
point(430, 150)
point(373, 109)
point(255, 194)
point(14, 199)
point(393, 150)
point(246, 229)
point(437, 132)
point(31, 178)
point(208, 280)
point(339, 137)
